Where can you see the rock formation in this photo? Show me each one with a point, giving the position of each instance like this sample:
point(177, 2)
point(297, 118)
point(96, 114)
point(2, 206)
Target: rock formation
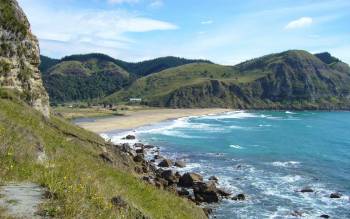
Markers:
point(20, 57)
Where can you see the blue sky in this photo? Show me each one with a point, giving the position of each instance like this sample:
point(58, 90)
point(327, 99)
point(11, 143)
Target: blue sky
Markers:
point(224, 31)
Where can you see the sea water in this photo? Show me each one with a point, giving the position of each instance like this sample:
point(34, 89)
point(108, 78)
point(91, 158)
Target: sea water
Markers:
point(267, 155)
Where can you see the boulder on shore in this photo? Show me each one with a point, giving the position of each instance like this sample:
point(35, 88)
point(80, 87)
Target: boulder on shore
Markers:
point(189, 179)
point(223, 192)
point(206, 192)
point(214, 178)
point(183, 192)
point(180, 164)
point(138, 158)
point(165, 163)
point(140, 151)
point(170, 176)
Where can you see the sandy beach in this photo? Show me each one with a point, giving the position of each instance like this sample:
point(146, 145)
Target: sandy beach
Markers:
point(136, 119)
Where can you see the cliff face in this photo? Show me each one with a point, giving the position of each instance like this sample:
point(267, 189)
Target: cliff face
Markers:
point(20, 57)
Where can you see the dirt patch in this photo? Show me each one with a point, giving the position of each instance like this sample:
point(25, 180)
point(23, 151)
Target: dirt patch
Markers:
point(22, 199)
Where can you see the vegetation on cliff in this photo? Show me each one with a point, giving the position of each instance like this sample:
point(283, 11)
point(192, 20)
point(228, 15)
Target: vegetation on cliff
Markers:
point(293, 79)
point(19, 57)
point(66, 160)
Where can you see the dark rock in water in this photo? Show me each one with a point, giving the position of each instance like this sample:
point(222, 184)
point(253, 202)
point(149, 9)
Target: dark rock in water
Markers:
point(139, 145)
point(306, 189)
point(297, 213)
point(207, 211)
point(140, 151)
point(206, 192)
point(149, 146)
point(335, 195)
point(119, 202)
point(214, 178)
point(165, 163)
point(325, 216)
point(158, 157)
point(223, 192)
point(180, 164)
point(153, 160)
point(130, 137)
point(189, 179)
point(183, 192)
point(239, 197)
point(138, 158)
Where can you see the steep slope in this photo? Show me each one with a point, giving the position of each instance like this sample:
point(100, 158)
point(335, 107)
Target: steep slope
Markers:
point(291, 79)
point(67, 161)
point(19, 57)
point(333, 62)
point(82, 79)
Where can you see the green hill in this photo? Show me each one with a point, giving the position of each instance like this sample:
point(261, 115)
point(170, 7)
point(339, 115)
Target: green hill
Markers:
point(84, 77)
point(292, 79)
point(73, 80)
point(46, 63)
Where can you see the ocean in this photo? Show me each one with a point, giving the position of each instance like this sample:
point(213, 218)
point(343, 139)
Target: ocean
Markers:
point(267, 155)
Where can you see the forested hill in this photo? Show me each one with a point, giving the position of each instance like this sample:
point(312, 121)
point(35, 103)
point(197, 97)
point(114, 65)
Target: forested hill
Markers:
point(91, 76)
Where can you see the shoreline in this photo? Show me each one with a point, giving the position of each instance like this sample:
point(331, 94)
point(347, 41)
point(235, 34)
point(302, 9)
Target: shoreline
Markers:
point(133, 120)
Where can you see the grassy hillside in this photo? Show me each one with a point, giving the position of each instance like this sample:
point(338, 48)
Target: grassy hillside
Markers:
point(65, 159)
point(291, 79)
point(84, 77)
point(162, 83)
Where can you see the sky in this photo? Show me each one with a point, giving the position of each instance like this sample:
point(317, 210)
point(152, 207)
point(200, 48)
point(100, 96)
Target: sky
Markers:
point(223, 31)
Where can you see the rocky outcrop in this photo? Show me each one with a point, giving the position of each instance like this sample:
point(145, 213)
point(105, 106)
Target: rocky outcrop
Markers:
point(20, 57)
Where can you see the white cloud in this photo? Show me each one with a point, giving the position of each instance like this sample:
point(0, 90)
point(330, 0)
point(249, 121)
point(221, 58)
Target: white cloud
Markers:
point(82, 30)
point(207, 22)
point(123, 1)
point(139, 24)
point(156, 3)
point(299, 23)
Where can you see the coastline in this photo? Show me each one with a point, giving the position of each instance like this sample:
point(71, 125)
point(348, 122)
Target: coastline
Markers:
point(132, 120)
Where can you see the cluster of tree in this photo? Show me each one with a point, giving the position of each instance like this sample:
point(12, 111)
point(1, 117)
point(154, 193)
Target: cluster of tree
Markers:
point(66, 88)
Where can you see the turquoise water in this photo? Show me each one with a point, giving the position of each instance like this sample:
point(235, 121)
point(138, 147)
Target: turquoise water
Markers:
point(268, 156)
